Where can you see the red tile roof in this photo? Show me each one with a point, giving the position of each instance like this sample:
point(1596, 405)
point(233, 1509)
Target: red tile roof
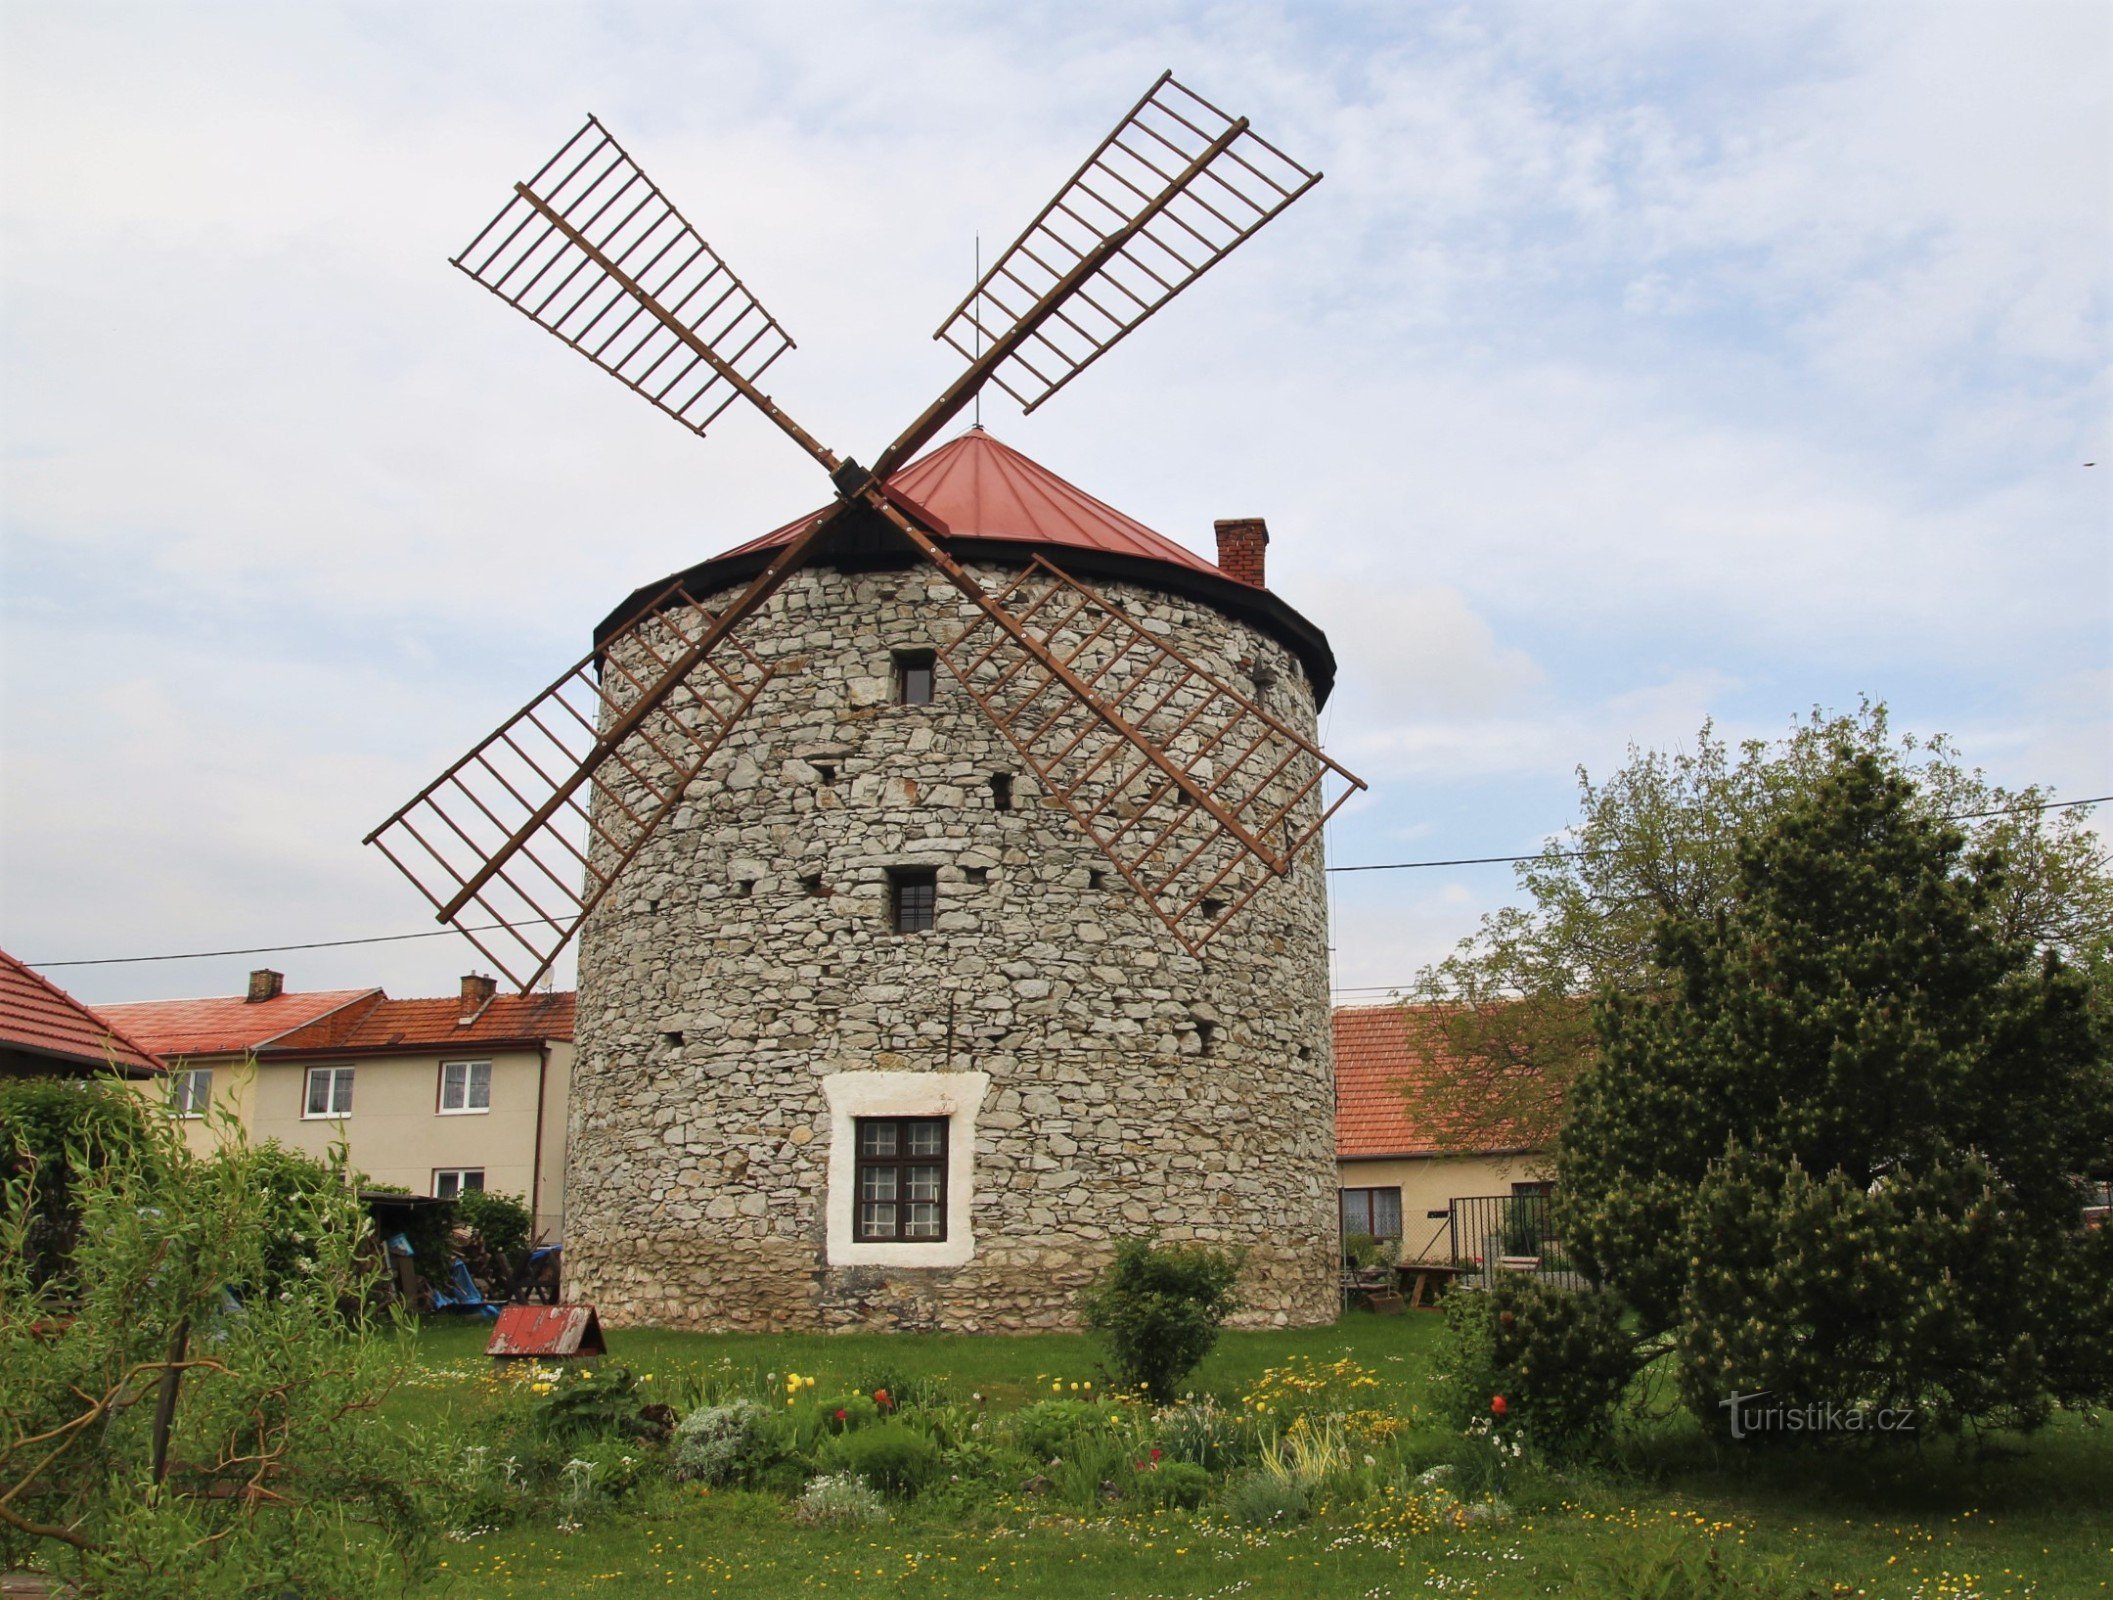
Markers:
point(982, 489)
point(363, 1020)
point(521, 1019)
point(227, 1025)
point(1385, 1058)
point(39, 1018)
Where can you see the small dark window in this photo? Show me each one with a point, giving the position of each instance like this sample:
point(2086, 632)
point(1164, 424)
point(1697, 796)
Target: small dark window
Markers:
point(913, 677)
point(672, 1039)
point(1213, 910)
point(744, 887)
point(914, 893)
point(812, 883)
point(1206, 1034)
point(977, 874)
point(1096, 879)
point(1001, 791)
point(901, 1174)
point(824, 774)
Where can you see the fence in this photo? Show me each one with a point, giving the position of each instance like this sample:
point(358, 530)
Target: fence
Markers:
point(1488, 1227)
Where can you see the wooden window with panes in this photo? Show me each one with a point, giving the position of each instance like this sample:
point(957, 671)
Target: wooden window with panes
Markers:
point(901, 1180)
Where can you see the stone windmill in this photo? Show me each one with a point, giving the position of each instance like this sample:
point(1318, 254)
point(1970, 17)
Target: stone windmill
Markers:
point(905, 990)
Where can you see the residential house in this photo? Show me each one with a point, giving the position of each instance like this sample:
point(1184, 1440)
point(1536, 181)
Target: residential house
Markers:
point(44, 1032)
point(463, 1092)
point(1400, 1161)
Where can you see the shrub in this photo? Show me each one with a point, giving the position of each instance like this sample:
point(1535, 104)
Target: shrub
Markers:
point(58, 1129)
point(1176, 1485)
point(500, 1224)
point(1159, 1310)
point(729, 1444)
point(1264, 1499)
point(1463, 1374)
point(840, 1500)
point(895, 1459)
point(589, 1400)
point(1563, 1361)
point(1052, 1428)
point(845, 1412)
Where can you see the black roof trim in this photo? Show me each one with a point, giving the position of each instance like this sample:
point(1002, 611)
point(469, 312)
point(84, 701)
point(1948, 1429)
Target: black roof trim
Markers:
point(1243, 602)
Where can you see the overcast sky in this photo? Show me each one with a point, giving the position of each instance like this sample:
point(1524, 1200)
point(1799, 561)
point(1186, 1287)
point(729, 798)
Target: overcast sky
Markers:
point(1634, 364)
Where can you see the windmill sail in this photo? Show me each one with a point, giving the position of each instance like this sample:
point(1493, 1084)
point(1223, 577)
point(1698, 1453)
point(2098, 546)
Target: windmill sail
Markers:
point(1168, 195)
point(520, 839)
point(590, 249)
point(1194, 791)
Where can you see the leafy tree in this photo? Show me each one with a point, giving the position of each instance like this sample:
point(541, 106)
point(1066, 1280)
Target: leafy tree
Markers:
point(1839, 1156)
point(52, 1131)
point(1158, 1310)
point(162, 1436)
point(1659, 839)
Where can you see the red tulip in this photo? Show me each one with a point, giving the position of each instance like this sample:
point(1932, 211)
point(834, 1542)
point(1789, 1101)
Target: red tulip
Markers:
point(1497, 1405)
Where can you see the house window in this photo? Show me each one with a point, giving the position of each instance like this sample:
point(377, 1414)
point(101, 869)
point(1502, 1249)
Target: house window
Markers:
point(329, 1092)
point(1374, 1212)
point(451, 1183)
point(913, 894)
point(190, 1092)
point(901, 1178)
point(1001, 791)
point(913, 677)
point(465, 1086)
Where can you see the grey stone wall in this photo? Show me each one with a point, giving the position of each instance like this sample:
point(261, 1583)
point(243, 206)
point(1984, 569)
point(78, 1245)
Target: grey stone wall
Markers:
point(748, 953)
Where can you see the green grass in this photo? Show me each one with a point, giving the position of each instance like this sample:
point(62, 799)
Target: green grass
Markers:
point(1905, 1525)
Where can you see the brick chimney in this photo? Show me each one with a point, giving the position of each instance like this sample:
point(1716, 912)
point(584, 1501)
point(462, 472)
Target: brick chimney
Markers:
point(265, 984)
point(1241, 541)
point(477, 993)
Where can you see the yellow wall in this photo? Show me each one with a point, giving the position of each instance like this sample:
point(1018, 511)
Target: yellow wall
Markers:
point(1428, 1182)
point(397, 1133)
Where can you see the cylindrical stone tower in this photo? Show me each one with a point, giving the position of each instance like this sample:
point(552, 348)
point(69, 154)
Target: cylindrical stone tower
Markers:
point(871, 1034)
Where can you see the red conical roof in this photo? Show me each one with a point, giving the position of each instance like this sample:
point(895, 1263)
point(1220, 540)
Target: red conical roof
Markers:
point(982, 489)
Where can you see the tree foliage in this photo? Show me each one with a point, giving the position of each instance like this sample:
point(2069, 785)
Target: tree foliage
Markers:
point(182, 1412)
point(1837, 1152)
point(1660, 839)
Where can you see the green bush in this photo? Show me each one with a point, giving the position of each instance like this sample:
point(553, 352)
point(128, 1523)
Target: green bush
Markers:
point(1175, 1485)
point(845, 1412)
point(1563, 1361)
point(1159, 1310)
point(1463, 1374)
point(840, 1500)
point(1049, 1429)
point(722, 1445)
point(1201, 1433)
point(894, 1458)
point(58, 1129)
point(500, 1224)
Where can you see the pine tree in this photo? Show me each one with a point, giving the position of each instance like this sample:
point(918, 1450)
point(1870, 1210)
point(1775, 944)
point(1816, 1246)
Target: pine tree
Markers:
point(1839, 1156)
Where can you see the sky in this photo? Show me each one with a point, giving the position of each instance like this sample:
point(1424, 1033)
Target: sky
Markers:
point(1633, 365)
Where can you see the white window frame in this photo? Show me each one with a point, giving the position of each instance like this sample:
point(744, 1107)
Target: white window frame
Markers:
point(338, 1075)
point(469, 1082)
point(458, 1174)
point(186, 1101)
point(956, 1096)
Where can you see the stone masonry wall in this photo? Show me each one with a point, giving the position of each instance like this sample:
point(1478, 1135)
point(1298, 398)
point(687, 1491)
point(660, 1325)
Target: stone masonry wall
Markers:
point(748, 953)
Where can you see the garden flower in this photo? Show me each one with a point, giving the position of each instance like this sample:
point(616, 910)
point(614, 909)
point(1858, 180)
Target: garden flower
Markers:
point(1497, 1405)
point(842, 1415)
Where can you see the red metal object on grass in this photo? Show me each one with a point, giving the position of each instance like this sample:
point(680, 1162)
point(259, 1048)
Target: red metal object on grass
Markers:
point(547, 1331)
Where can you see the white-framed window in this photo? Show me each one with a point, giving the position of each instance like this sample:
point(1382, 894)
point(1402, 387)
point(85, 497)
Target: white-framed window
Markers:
point(465, 1086)
point(451, 1183)
point(329, 1092)
point(190, 1091)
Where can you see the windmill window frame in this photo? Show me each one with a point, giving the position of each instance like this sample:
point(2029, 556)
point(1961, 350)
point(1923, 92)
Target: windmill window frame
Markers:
point(445, 1189)
point(465, 1088)
point(336, 1099)
point(916, 677)
point(190, 1092)
point(870, 1093)
point(913, 899)
point(900, 1167)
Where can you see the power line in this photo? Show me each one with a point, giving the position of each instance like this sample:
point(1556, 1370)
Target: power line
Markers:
point(1571, 855)
point(489, 927)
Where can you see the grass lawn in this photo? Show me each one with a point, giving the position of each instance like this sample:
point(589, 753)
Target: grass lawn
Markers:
point(1906, 1525)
